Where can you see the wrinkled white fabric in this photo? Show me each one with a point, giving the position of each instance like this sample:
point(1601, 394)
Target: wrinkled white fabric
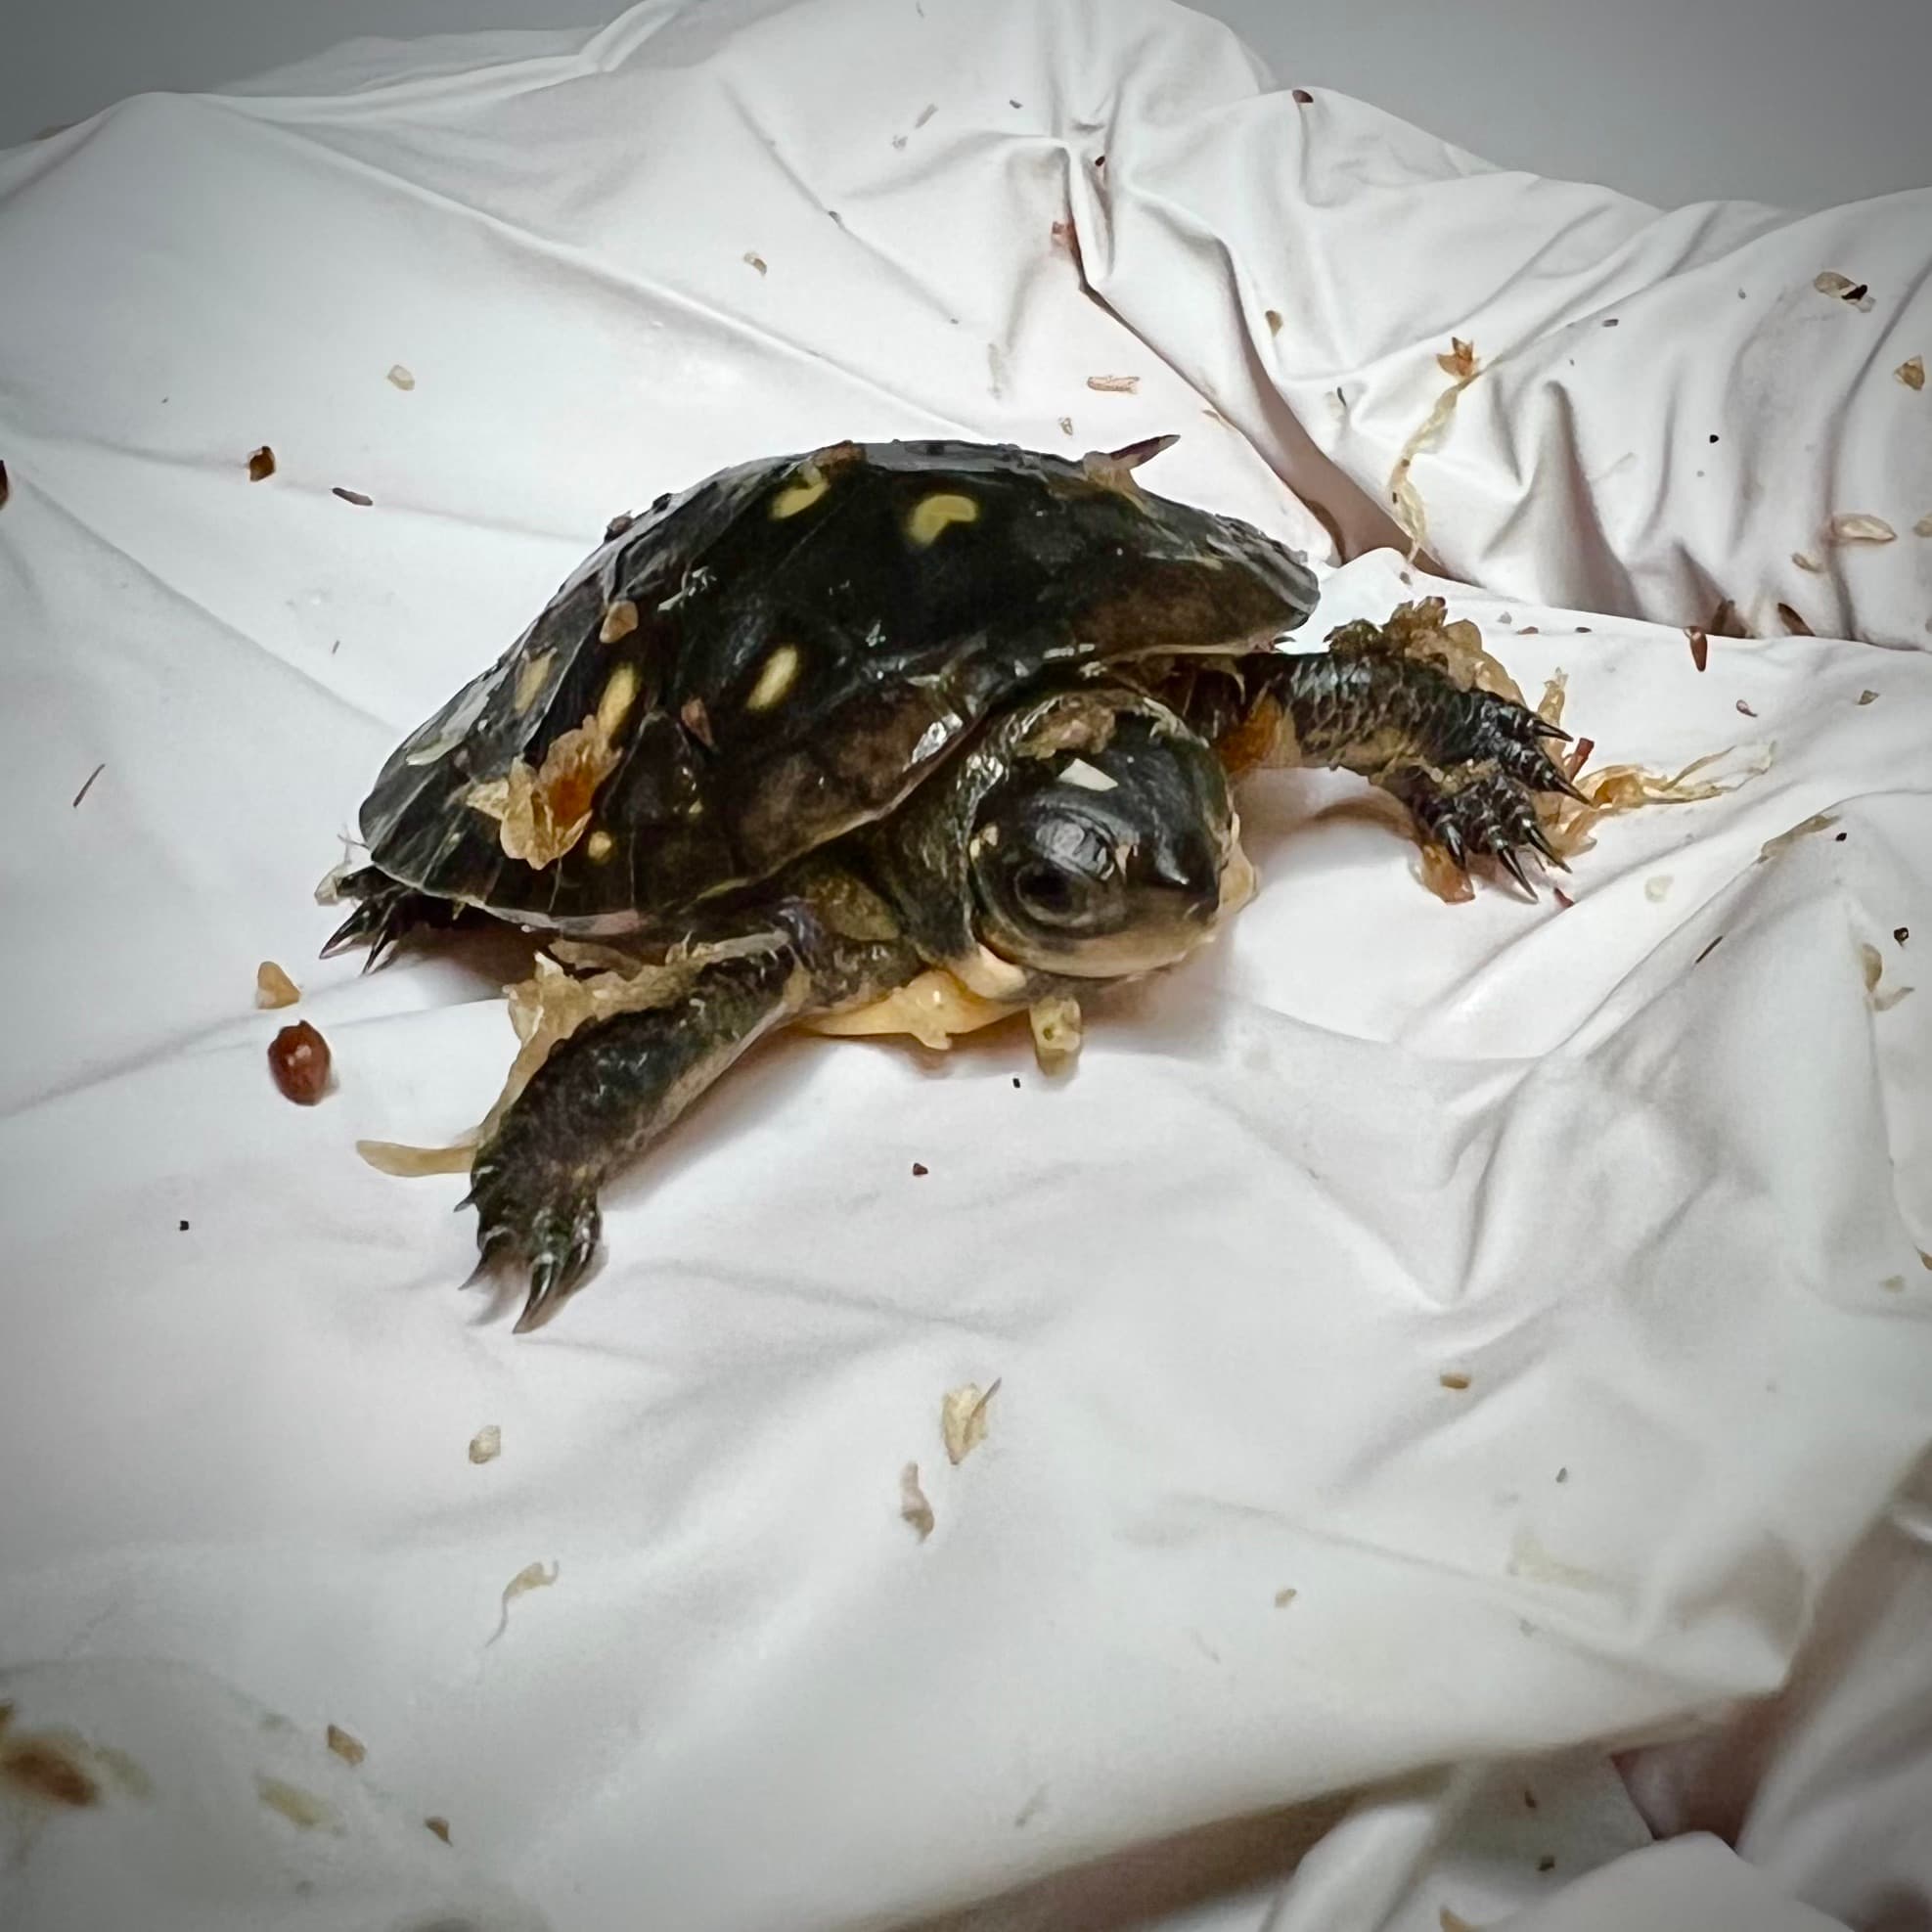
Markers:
point(1651, 1172)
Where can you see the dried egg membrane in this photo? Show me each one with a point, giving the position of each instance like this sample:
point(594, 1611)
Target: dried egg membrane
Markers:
point(548, 1007)
point(543, 813)
point(1618, 789)
point(1404, 499)
point(532, 1576)
point(1418, 630)
point(962, 1419)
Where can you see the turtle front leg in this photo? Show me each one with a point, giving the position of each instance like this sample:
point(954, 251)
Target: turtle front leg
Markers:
point(1466, 763)
point(615, 1085)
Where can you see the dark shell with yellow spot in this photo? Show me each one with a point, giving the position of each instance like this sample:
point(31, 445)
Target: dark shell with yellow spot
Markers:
point(784, 651)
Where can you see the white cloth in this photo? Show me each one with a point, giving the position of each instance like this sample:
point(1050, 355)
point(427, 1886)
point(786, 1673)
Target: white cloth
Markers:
point(1662, 1205)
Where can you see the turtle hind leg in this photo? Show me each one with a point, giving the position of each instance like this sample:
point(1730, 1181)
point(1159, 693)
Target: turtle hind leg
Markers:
point(384, 914)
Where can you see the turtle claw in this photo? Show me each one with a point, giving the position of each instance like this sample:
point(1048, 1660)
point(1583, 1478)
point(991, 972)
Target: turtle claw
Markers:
point(542, 1216)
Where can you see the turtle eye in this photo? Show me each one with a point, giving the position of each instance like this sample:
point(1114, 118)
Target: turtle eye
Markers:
point(1045, 892)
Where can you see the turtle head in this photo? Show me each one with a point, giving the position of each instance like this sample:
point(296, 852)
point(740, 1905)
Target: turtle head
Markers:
point(1109, 846)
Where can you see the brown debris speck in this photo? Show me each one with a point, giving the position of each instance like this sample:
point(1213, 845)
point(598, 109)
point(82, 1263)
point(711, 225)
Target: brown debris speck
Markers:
point(1726, 622)
point(1303, 98)
point(1529, 1799)
point(1066, 425)
point(919, 1168)
point(617, 526)
point(1923, 527)
point(1117, 385)
point(1454, 1378)
point(619, 621)
point(345, 1745)
point(1546, 1863)
point(1744, 709)
point(1459, 361)
point(912, 1505)
point(6, 486)
point(1563, 900)
point(355, 497)
point(440, 1826)
point(261, 464)
point(1700, 647)
point(1610, 321)
point(1794, 623)
point(1867, 697)
point(697, 721)
point(756, 261)
point(1273, 318)
point(1912, 374)
point(1902, 933)
point(1698, 961)
point(89, 784)
point(42, 1765)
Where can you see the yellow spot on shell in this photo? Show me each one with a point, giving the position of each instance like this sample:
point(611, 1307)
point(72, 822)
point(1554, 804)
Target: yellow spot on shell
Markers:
point(779, 674)
point(599, 846)
point(935, 513)
point(620, 695)
point(619, 620)
point(531, 679)
point(801, 495)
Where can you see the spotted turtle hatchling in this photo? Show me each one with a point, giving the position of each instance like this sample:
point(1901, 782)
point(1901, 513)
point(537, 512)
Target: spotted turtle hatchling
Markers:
point(833, 726)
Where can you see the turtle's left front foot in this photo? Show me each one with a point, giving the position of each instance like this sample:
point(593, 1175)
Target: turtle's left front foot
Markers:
point(1476, 812)
point(1468, 763)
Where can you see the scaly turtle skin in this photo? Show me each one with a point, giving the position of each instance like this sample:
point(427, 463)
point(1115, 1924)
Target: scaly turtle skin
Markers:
point(854, 717)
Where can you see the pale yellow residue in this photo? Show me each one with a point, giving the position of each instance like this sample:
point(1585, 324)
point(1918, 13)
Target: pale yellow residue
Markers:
point(779, 674)
point(412, 1163)
point(274, 987)
point(1238, 876)
point(619, 621)
point(301, 1808)
point(599, 846)
point(812, 484)
point(932, 1009)
point(936, 514)
point(1057, 1031)
point(620, 695)
point(531, 679)
point(1529, 1558)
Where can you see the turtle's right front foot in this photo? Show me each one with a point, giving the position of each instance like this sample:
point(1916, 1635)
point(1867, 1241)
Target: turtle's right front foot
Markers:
point(536, 1213)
